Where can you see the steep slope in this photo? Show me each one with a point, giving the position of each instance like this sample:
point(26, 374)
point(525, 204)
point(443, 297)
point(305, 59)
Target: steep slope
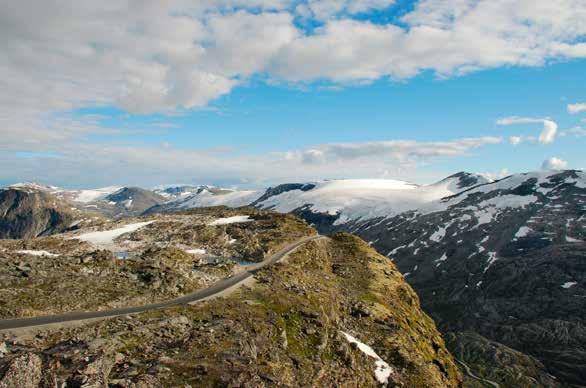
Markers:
point(27, 211)
point(335, 313)
point(505, 260)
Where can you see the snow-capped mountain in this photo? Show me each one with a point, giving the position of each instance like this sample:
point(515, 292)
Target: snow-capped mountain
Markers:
point(503, 259)
point(207, 196)
point(343, 201)
point(354, 199)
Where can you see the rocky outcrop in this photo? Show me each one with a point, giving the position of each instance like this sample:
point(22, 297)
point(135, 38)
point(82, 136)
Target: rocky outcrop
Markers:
point(28, 213)
point(23, 371)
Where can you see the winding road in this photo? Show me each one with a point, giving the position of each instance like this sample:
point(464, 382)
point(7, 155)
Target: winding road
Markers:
point(199, 295)
point(469, 373)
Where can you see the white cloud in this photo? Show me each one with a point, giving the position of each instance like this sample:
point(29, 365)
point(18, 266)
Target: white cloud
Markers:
point(163, 56)
point(448, 38)
point(576, 108)
point(514, 140)
point(396, 150)
point(576, 132)
point(512, 120)
point(103, 164)
point(554, 163)
point(547, 135)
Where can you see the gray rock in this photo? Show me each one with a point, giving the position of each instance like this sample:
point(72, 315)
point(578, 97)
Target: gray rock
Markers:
point(24, 371)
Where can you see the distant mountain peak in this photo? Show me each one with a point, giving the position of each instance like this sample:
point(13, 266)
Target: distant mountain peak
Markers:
point(465, 179)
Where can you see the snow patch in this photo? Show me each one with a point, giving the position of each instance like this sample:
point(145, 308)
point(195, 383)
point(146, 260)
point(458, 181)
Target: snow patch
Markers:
point(523, 232)
point(231, 220)
point(360, 198)
point(196, 251)
point(382, 370)
point(438, 235)
point(572, 240)
point(491, 259)
point(37, 253)
point(206, 198)
point(569, 284)
point(85, 196)
point(107, 237)
point(441, 260)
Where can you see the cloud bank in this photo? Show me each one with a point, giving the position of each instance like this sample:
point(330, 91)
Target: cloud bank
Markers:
point(159, 56)
point(95, 164)
point(164, 56)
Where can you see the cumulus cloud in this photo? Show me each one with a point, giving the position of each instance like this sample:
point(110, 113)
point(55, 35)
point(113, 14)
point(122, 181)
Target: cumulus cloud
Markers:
point(547, 135)
point(550, 129)
point(448, 38)
point(554, 163)
point(162, 56)
point(576, 108)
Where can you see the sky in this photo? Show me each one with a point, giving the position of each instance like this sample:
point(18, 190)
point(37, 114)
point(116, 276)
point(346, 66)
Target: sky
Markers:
point(251, 93)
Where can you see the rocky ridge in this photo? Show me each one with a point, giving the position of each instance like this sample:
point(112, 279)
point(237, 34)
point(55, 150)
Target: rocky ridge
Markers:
point(334, 313)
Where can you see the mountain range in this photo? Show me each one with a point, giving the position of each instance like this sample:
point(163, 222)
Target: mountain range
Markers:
point(499, 264)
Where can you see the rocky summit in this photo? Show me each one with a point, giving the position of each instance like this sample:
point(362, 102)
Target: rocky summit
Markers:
point(333, 312)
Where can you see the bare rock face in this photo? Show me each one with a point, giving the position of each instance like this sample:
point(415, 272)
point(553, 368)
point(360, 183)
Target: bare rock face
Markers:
point(25, 371)
point(28, 213)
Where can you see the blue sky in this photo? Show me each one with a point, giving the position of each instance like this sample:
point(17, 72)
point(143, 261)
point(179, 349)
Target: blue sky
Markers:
point(290, 91)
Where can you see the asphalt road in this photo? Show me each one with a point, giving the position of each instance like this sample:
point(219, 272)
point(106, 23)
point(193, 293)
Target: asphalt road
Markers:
point(199, 295)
